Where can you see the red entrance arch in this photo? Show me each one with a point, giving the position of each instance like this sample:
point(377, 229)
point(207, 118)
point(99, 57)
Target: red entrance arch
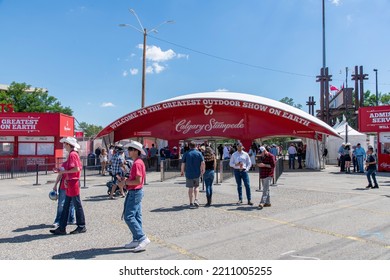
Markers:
point(217, 114)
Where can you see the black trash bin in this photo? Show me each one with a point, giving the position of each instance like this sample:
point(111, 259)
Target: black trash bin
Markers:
point(91, 159)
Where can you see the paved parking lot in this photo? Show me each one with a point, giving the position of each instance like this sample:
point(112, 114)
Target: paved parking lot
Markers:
point(314, 215)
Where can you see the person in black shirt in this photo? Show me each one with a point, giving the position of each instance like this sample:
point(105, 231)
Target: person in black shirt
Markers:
point(220, 151)
point(208, 176)
point(371, 169)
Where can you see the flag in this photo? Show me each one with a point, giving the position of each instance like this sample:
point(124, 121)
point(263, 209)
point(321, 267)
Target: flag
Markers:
point(333, 88)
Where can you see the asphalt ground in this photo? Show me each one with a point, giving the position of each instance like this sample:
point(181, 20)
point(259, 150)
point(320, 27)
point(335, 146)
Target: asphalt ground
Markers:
point(324, 215)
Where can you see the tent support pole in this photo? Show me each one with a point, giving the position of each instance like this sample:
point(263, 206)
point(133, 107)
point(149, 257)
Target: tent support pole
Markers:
point(318, 151)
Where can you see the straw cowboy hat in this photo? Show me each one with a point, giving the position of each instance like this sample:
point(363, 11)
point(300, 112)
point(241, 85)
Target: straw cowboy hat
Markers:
point(71, 141)
point(136, 145)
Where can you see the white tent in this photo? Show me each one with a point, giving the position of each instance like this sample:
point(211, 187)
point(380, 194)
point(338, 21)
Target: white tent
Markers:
point(312, 155)
point(333, 143)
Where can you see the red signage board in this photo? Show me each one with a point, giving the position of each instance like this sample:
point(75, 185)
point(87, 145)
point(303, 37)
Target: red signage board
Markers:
point(377, 119)
point(374, 119)
point(6, 108)
point(36, 124)
point(205, 117)
point(79, 134)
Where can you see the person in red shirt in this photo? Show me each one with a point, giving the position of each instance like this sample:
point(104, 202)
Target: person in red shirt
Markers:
point(71, 175)
point(61, 200)
point(267, 167)
point(132, 212)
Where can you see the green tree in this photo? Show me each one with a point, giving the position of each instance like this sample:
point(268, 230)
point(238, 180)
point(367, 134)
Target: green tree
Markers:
point(290, 101)
point(370, 99)
point(90, 130)
point(24, 99)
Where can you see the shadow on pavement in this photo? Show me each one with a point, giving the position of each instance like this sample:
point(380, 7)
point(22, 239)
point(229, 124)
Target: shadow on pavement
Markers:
point(91, 253)
point(32, 227)
point(96, 198)
point(172, 209)
point(361, 189)
point(26, 238)
point(244, 208)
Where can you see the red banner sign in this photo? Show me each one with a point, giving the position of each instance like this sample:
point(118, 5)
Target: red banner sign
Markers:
point(36, 124)
point(374, 119)
point(7, 108)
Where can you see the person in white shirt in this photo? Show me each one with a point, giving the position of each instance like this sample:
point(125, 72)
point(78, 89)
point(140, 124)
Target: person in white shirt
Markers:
point(241, 163)
point(226, 154)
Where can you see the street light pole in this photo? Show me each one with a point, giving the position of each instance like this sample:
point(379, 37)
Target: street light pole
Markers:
point(376, 87)
point(145, 33)
point(143, 69)
point(323, 36)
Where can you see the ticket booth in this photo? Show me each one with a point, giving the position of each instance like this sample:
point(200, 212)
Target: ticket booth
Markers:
point(34, 138)
point(377, 120)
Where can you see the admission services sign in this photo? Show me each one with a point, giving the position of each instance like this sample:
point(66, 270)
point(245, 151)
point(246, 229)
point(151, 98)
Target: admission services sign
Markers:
point(374, 119)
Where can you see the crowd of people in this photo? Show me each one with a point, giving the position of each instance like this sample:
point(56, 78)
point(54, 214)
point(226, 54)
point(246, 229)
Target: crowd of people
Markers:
point(354, 159)
point(197, 162)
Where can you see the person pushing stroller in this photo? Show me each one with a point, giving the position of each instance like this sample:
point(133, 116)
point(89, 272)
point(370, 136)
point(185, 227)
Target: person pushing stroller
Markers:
point(118, 165)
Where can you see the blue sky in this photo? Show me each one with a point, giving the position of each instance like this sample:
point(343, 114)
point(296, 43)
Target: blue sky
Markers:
point(270, 48)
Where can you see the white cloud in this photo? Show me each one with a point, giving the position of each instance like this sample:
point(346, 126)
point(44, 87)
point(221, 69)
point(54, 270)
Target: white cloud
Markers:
point(155, 53)
point(80, 9)
point(156, 56)
point(158, 68)
point(222, 90)
point(125, 73)
point(149, 70)
point(107, 104)
point(180, 55)
point(133, 71)
point(336, 2)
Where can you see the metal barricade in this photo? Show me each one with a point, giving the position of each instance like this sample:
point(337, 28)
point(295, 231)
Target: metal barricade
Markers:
point(22, 167)
point(224, 171)
point(170, 168)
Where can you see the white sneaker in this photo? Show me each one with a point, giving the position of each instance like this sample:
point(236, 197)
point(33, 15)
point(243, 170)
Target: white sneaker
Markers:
point(132, 244)
point(196, 203)
point(142, 245)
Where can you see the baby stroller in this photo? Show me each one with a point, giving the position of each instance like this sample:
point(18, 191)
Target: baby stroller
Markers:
point(122, 174)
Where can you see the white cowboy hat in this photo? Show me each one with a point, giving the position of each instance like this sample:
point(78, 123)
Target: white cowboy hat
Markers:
point(136, 145)
point(71, 141)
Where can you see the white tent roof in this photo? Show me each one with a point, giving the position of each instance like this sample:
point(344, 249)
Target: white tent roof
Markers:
point(341, 129)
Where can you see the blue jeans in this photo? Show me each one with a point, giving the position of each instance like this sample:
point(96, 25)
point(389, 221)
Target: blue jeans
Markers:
point(360, 163)
point(291, 161)
point(60, 207)
point(80, 218)
point(265, 198)
point(242, 175)
point(299, 157)
point(371, 173)
point(133, 213)
point(208, 178)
